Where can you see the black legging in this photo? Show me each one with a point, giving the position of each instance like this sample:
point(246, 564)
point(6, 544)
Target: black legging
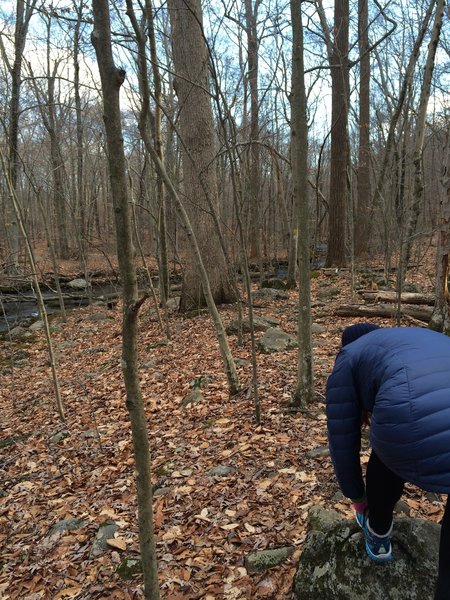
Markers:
point(384, 489)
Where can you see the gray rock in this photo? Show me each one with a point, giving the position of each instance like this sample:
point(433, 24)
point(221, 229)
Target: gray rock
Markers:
point(259, 324)
point(18, 332)
point(276, 340)
point(173, 303)
point(65, 344)
point(89, 433)
point(36, 326)
point(318, 452)
point(316, 328)
point(105, 532)
point(67, 525)
point(260, 561)
point(150, 364)
point(242, 362)
point(221, 471)
point(11, 441)
point(334, 565)
point(77, 284)
point(161, 491)
point(100, 317)
point(328, 293)
point(129, 567)
point(269, 294)
point(274, 283)
point(411, 287)
point(60, 436)
point(192, 398)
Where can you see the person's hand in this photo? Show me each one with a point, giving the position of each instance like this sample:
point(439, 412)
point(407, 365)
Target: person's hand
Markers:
point(361, 506)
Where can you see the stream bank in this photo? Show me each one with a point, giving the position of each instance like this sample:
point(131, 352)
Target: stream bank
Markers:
point(19, 307)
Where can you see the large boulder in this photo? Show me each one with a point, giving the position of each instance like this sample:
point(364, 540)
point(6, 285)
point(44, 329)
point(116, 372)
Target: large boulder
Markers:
point(274, 283)
point(276, 340)
point(259, 324)
point(334, 564)
point(78, 284)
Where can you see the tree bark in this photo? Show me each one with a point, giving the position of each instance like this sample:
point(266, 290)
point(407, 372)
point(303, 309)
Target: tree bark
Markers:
point(299, 158)
point(336, 255)
point(440, 320)
point(363, 174)
point(200, 269)
point(418, 190)
point(47, 103)
point(196, 126)
point(254, 185)
point(390, 140)
point(406, 297)
point(24, 12)
point(112, 79)
point(421, 313)
point(79, 179)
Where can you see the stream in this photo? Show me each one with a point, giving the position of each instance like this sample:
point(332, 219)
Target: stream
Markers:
point(23, 307)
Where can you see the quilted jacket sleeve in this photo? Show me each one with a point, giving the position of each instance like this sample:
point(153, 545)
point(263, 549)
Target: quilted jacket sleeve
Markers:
point(344, 427)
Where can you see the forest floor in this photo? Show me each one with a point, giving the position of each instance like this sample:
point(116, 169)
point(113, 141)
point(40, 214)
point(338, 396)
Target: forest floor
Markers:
point(206, 522)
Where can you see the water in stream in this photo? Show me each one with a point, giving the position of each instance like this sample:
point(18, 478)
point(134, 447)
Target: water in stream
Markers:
point(13, 312)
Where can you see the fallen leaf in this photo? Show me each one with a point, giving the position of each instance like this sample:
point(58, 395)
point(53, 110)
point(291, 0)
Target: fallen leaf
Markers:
point(70, 592)
point(118, 543)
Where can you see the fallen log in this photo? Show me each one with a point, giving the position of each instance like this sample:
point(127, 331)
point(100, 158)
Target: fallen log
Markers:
point(406, 297)
point(420, 313)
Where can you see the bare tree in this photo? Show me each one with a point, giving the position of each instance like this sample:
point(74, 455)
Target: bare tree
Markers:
point(196, 127)
point(24, 12)
point(47, 102)
point(389, 143)
point(364, 195)
point(336, 255)
point(440, 319)
point(254, 179)
point(418, 190)
point(299, 158)
point(112, 79)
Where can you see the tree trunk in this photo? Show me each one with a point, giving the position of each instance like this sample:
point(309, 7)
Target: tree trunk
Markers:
point(163, 264)
point(388, 311)
point(418, 190)
point(363, 174)
point(440, 319)
point(254, 185)
point(196, 126)
point(111, 82)
point(299, 157)
point(230, 368)
point(336, 255)
point(47, 103)
point(24, 11)
point(82, 232)
point(390, 140)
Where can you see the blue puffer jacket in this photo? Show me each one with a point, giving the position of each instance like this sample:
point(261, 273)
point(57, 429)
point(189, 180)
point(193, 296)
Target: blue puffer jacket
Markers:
point(402, 376)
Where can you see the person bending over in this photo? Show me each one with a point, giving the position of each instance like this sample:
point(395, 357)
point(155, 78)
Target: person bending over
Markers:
point(401, 378)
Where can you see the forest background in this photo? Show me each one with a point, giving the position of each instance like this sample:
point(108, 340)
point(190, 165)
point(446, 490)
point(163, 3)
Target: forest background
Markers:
point(214, 145)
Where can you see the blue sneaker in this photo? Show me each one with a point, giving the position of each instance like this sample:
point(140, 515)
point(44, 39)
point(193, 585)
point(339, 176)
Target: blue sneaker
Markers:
point(378, 548)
